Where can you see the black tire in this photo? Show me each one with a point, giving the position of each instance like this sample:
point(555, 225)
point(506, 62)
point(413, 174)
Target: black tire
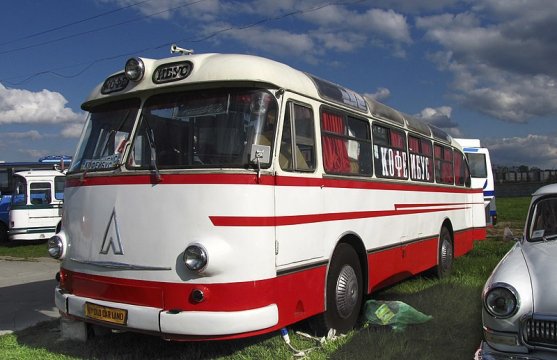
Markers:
point(3, 234)
point(344, 293)
point(445, 254)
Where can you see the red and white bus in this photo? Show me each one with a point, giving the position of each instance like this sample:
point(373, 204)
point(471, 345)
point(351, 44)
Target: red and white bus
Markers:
point(222, 196)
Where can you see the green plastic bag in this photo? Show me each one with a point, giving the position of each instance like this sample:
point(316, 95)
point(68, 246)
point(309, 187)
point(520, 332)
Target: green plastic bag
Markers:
point(394, 313)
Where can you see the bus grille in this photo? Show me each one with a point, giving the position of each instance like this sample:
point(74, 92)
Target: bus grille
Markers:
point(540, 332)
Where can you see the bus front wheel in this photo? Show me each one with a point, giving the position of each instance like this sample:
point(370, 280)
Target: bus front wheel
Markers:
point(344, 292)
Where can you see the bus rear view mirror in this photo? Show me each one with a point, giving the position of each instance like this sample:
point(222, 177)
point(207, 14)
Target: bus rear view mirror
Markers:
point(260, 154)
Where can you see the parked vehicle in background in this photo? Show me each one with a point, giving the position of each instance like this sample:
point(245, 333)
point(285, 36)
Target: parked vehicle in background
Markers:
point(519, 299)
point(7, 171)
point(36, 204)
point(482, 175)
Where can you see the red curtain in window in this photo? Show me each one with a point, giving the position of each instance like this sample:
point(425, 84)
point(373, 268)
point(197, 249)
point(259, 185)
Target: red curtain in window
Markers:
point(397, 140)
point(458, 173)
point(335, 155)
point(414, 145)
point(426, 148)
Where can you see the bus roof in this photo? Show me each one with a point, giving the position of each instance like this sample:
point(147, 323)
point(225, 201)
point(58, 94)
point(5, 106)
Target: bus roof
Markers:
point(39, 173)
point(236, 69)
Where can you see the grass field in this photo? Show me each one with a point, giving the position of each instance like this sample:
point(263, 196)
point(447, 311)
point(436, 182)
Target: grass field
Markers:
point(453, 333)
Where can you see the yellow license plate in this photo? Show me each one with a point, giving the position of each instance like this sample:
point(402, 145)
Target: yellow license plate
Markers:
point(107, 314)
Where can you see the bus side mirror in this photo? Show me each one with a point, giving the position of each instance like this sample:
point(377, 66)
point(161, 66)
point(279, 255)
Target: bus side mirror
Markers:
point(260, 154)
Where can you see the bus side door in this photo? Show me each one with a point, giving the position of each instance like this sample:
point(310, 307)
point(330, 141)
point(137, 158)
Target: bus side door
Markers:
point(298, 196)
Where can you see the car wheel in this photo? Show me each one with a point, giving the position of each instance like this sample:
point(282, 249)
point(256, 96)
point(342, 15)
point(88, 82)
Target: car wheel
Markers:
point(344, 293)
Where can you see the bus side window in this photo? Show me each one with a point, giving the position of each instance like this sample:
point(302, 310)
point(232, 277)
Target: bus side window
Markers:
point(421, 159)
point(461, 172)
point(297, 146)
point(59, 184)
point(40, 193)
point(346, 142)
point(443, 165)
point(389, 152)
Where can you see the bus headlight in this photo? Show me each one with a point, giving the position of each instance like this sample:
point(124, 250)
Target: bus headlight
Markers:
point(134, 69)
point(57, 247)
point(501, 301)
point(196, 257)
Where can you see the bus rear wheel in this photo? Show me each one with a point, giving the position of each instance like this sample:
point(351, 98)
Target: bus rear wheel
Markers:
point(445, 254)
point(344, 293)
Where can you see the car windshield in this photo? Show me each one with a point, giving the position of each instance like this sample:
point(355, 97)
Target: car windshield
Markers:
point(544, 220)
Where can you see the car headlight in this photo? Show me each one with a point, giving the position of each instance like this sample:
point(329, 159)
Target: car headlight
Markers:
point(501, 301)
point(196, 257)
point(56, 247)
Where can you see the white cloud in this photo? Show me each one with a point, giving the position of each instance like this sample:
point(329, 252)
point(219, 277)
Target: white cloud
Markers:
point(274, 41)
point(24, 106)
point(380, 94)
point(31, 135)
point(532, 150)
point(72, 130)
point(386, 25)
point(501, 54)
point(441, 118)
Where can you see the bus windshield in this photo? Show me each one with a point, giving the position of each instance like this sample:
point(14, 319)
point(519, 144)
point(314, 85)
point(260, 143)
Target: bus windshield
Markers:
point(478, 167)
point(104, 136)
point(200, 129)
point(194, 129)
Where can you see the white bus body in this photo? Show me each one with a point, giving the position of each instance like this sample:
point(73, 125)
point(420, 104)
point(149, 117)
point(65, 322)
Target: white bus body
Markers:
point(36, 204)
point(482, 175)
point(222, 196)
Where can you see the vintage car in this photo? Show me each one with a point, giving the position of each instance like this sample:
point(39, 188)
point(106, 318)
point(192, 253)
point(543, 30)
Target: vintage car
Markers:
point(520, 297)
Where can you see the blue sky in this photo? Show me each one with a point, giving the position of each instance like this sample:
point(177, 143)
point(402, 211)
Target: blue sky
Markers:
point(478, 69)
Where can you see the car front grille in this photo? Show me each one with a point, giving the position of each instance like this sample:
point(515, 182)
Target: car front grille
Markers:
point(540, 331)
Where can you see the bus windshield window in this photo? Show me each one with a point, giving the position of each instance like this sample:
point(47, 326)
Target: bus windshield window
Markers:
point(198, 129)
point(40, 193)
point(478, 168)
point(106, 132)
point(19, 196)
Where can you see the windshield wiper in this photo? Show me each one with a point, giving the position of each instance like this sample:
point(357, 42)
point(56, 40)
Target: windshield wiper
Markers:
point(151, 141)
point(549, 237)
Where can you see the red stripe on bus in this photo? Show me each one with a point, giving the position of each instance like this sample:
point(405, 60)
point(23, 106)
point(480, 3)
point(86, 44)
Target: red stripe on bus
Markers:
point(315, 218)
point(252, 179)
point(298, 294)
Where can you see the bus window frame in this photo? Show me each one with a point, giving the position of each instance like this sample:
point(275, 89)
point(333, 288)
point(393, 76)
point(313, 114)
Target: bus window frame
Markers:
point(354, 165)
point(386, 142)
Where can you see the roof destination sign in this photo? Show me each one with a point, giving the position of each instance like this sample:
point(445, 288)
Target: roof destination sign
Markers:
point(172, 72)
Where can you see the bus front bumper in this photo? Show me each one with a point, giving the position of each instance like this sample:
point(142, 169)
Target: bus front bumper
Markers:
point(186, 323)
point(31, 234)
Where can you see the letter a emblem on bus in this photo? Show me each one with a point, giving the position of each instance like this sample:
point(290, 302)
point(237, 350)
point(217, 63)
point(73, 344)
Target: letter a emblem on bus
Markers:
point(112, 237)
